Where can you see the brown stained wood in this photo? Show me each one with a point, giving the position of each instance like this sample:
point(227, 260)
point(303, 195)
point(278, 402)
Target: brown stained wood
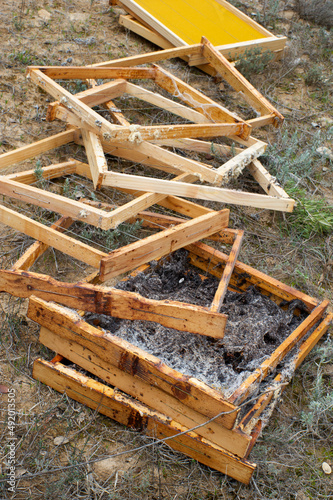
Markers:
point(86, 358)
point(84, 72)
point(138, 416)
point(250, 384)
point(51, 172)
point(196, 100)
point(38, 248)
point(249, 420)
point(131, 256)
point(113, 302)
point(133, 360)
point(213, 261)
point(239, 82)
point(36, 148)
point(51, 237)
point(227, 272)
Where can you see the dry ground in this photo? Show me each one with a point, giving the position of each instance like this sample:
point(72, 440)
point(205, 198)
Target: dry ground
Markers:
point(294, 248)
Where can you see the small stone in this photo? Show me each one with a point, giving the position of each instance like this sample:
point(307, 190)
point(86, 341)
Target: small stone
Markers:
point(326, 468)
point(326, 152)
point(315, 125)
point(59, 440)
point(44, 15)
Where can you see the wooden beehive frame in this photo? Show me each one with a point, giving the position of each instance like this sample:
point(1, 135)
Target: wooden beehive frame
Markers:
point(144, 24)
point(170, 392)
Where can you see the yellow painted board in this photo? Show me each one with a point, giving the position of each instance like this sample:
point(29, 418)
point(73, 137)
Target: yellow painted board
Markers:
point(192, 19)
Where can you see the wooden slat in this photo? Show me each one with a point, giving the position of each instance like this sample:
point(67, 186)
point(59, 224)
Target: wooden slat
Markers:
point(155, 246)
point(55, 203)
point(113, 302)
point(133, 360)
point(233, 50)
point(84, 72)
point(239, 82)
point(167, 104)
point(235, 165)
point(136, 415)
point(38, 248)
point(50, 172)
point(51, 237)
point(196, 100)
point(26, 152)
point(77, 351)
point(227, 272)
point(95, 155)
point(213, 261)
point(266, 180)
point(223, 195)
point(250, 384)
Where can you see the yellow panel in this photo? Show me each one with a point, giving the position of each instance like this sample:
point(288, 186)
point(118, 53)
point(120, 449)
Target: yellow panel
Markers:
point(192, 19)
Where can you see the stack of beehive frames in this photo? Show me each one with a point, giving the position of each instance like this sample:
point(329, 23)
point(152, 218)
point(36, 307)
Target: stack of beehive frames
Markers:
point(191, 401)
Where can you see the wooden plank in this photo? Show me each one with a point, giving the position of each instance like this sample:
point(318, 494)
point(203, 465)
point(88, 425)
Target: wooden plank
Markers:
point(200, 146)
point(239, 82)
point(227, 272)
point(249, 420)
point(213, 261)
point(195, 99)
point(51, 237)
point(211, 193)
point(36, 148)
point(136, 415)
point(157, 245)
point(95, 155)
point(232, 51)
point(251, 383)
point(55, 203)
point(95, 72)
point(77, 352)
point(167, 104)
point(38, 248)
point(266, 180)
point(133, 361)
point(113, 302)
point(50, 172)
point(235, 166)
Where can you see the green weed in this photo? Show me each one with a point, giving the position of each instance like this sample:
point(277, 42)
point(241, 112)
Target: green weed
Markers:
point(254, 61)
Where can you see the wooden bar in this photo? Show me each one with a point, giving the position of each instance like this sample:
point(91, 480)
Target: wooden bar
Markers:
point(134, 361)
point(50, 172)
point(36, 148)
point(196, 100)
point(223, 195)
point(51, 237)
point(131, 256)
point(113, 302)
point(100, 72)
point(227, 272)
point(266, 180)
point(239, 82)
point(38, 248)
point(136, 415)
point(96, 157)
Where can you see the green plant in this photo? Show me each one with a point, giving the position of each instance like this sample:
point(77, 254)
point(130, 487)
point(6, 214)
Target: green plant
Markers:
point(311, 215)
point(318, 11)
point(254, 61)
point(316, 76)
